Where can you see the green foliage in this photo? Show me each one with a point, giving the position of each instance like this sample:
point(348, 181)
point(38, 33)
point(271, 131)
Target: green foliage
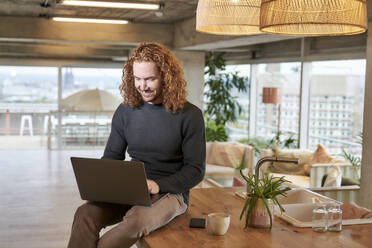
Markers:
point(213, 63)
point(259, 143)
point(221, 106)
point(283, 142)
point(355, 161)
point(268, 187)
point(215, 132)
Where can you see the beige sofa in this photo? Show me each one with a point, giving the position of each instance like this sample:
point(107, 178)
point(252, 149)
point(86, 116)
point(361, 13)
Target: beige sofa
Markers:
point(223, 157)
point(301, 175)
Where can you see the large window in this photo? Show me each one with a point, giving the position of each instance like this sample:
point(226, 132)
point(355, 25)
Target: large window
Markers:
point(27, 94)
point(336, 105)
point(285, 77)
point(29, 107)
point(77, 79)
point(87, 128)
point(239, 129)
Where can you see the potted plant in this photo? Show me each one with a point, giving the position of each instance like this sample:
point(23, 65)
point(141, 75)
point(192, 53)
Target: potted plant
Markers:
point(261, 198)
point(221, 106)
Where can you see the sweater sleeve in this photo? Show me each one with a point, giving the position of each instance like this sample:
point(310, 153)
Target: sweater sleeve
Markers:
point(194, 149)
point(116, 144)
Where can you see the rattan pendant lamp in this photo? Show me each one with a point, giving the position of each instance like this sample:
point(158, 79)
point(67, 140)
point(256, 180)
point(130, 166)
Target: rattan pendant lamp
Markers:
point(313, 17)
point(228, 17)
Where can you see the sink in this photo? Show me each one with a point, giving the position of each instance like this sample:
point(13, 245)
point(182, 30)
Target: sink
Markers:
point(296, 196)
point(299, 205)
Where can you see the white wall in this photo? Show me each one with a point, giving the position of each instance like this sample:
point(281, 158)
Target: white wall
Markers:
point(193, 66)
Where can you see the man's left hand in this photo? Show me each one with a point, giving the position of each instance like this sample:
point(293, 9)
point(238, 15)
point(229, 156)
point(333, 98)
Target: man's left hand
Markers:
point(153, 187)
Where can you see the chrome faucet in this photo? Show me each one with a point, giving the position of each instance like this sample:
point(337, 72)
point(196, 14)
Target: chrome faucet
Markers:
point(273, 159)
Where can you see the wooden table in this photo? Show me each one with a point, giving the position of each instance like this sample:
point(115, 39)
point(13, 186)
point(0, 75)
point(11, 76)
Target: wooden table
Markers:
point(207, 200)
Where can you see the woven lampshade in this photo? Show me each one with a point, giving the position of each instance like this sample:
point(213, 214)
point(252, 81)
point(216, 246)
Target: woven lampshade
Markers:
point(228, 17)
point(313, 17)
point(271, 95)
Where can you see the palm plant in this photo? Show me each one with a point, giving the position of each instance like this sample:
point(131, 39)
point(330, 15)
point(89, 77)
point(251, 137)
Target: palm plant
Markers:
point(268, 188)
point(221, 105)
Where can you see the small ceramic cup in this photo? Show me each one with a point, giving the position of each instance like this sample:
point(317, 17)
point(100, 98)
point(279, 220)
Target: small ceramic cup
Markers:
point(218, 223)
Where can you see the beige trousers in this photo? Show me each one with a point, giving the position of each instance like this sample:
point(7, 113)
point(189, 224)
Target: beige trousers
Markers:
point(134, 222)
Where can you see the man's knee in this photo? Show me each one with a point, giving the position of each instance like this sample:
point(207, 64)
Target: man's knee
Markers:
point(89, 214)
point(139, 222)
point(87, 210)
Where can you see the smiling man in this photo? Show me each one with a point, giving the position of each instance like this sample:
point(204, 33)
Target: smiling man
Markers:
point(147, 81)
point(156, 125)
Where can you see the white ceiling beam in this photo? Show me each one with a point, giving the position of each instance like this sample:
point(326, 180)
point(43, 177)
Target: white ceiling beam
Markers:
point(59, 50)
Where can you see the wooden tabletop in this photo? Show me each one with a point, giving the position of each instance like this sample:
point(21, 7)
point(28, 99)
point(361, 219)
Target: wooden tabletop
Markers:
point(207, 200)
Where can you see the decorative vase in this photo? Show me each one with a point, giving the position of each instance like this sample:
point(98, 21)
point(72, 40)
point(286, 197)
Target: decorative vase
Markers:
point(260, 218)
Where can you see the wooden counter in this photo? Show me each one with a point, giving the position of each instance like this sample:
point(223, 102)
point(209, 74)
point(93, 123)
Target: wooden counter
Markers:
point(208, 200)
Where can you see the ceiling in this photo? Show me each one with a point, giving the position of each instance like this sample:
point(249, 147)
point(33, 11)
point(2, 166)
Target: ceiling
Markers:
point(30, 33)
point(173, 10)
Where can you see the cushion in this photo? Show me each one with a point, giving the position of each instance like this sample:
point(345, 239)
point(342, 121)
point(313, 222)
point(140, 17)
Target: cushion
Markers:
point(295, 181)
point(238, 182)
point(320, 156)
point(345, 181)
point(352, 211)
point(208, 150)
point(226, 154)
point(290, 168)
point(334, 178)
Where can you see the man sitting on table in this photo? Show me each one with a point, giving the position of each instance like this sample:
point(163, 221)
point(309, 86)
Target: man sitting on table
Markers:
point(157, 126)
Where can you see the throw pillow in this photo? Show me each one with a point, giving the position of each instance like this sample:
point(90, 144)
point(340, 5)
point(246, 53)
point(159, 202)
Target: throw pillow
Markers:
point(334, 178)
point(345, 181)
point(226, 154)
point(320, 156)
point(351, 210)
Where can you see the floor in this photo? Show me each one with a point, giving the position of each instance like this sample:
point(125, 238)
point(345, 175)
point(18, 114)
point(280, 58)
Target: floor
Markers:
point(26, 142)
point(38, 197)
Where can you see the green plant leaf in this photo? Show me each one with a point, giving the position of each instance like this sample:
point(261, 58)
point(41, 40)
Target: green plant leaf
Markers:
point(268, 187)
point(355, 161)
point(278, 203)
point(247, 201)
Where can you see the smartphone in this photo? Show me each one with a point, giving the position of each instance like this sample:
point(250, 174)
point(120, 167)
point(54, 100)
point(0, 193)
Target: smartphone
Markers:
point(197, 223)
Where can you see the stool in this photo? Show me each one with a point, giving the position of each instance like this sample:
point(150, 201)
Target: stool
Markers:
point(24, 119)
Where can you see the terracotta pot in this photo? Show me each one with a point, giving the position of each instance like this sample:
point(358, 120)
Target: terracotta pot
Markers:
point(260, 218)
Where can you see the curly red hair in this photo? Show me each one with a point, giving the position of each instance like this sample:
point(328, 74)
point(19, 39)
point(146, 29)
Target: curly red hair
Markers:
point(174, 84)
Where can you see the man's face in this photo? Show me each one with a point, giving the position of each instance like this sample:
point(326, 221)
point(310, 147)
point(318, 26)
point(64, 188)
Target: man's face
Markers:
point(147, 81)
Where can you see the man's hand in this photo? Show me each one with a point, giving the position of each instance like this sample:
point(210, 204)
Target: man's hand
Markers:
point(153, 187)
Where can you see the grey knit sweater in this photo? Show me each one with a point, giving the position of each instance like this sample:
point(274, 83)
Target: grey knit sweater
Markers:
point(172, 146)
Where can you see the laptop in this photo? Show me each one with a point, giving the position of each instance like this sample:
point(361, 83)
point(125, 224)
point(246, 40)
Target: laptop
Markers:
point(113, 181)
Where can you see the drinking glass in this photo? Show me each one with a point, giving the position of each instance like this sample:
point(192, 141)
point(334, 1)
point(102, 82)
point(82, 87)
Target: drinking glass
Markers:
point(319, 217)
point(334, 217)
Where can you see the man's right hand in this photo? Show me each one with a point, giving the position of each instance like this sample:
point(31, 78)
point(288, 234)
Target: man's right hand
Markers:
point(153, 187)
